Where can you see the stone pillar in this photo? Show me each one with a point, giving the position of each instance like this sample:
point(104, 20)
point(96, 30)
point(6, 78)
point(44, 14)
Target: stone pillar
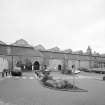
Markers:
point(32, 67)
point(79, 63)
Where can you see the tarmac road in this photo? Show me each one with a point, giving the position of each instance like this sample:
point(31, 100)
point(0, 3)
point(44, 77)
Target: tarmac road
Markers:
point(28, 91)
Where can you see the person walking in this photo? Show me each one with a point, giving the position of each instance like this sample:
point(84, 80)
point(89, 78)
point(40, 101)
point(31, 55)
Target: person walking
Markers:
point(3, 73)
point(73, 71)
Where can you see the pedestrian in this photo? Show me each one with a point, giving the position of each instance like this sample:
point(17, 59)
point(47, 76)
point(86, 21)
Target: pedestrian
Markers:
point(3, 73)
point(6, 72)
point(73, 69)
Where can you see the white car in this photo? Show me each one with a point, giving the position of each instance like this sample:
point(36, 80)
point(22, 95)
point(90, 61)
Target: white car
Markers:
point(77, 71)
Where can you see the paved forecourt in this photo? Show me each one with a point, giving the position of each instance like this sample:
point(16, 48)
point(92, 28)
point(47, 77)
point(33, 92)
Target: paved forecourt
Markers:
point(56, 75)
point(27, 90)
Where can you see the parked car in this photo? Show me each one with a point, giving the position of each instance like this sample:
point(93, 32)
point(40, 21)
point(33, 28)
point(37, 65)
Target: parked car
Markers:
point(98, 70)
point(84, 69)
point(103, 77)
point(77, 71)
point(16, 71)
point(66, 71)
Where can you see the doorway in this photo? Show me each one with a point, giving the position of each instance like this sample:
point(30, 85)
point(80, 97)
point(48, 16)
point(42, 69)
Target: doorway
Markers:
point(59, 67)
point(36, 65)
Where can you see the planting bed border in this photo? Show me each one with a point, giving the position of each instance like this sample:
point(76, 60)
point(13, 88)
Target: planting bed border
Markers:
point(47, 77)
point(69, 90)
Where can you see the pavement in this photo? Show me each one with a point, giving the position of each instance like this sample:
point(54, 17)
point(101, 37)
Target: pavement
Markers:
point(57, 75)
point(27, 90)
point(81, 75)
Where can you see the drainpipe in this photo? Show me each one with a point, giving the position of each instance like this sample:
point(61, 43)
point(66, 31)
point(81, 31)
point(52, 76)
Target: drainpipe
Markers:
point(79, 64)
point(12, 62)
point(32, 67)
point(90, 62)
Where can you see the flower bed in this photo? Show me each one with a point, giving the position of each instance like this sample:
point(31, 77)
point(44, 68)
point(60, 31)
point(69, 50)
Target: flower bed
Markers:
point(59, 84)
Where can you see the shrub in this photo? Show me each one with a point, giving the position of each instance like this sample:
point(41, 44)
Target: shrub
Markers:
point(66, 71)
point(58, 84)
point(83, 69)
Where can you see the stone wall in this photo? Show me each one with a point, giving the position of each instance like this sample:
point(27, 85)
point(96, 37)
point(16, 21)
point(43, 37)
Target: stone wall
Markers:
point(54, 63)
point(84, 64)
point(73, 62)
point(13, 54)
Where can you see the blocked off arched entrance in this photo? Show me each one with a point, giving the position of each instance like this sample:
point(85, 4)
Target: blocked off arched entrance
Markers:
point(36, 65)
point(59, 67)
point(3, 64)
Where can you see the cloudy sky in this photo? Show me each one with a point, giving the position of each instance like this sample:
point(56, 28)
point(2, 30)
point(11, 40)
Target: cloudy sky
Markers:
point(67, 24)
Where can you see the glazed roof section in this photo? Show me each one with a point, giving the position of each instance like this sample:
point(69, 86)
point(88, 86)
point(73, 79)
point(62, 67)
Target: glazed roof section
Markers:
point(30, 51)
point(19, 51)
point(21, 43)
point(3, 43)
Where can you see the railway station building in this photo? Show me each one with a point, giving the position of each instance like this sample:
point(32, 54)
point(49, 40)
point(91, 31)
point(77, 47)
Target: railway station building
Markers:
point(28, 57)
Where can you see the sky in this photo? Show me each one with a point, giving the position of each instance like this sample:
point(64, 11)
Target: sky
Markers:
point(68, 24)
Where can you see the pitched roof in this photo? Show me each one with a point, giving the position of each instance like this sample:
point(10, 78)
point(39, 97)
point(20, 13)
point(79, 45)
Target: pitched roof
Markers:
point(21, 42)
point(3, 49)
point(39, 47)
point(54, 49)
point(19, 51)
point(3, 43)
point(26, 52)
point(67, 51)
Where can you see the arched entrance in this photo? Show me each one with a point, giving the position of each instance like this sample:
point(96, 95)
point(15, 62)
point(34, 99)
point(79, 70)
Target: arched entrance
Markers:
point(3, 64)
point(36, 65)
point(59, 67)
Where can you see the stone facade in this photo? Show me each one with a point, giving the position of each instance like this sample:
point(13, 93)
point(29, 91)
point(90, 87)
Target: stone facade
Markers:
point(79, 60)
point(31, 59)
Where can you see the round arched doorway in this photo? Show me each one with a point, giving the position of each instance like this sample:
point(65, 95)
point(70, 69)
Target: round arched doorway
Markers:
point(36, 65)
point(59, 67)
